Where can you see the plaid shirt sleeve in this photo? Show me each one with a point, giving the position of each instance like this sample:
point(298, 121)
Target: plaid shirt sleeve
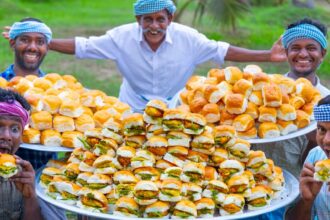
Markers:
point(36, 158)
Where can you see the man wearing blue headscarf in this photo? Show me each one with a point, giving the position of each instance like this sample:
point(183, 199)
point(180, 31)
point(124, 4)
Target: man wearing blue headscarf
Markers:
point(156, 56)
point(315, 195)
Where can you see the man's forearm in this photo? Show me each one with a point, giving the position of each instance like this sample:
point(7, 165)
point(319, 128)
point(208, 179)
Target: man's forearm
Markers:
point(238, 54)
point(32, 209)
point(302, 211)
point(63, 45)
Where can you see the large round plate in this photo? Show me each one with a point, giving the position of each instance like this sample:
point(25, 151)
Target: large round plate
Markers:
point(289, 194)
point(40, 147)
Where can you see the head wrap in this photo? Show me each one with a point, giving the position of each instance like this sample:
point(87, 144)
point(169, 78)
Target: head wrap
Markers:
point(322, 113)
point(304, 31)
point(30, 26)
point(142, 7)
point(14, 108)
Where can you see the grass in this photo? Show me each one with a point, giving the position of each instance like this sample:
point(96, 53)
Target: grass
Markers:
point(258, 30)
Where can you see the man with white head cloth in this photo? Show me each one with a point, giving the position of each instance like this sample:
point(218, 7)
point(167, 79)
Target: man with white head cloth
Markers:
point(156, 56)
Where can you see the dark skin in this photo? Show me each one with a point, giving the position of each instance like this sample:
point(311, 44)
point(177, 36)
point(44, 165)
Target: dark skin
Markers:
point(30, 50)
point(11, 131)
point(310, 188)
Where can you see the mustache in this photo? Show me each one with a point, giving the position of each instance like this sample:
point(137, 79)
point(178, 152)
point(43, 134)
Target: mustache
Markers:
point(149, 29)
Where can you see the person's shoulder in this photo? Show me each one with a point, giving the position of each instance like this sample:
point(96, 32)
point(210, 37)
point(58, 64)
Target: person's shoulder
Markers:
point(315, 154)
point(124, 28)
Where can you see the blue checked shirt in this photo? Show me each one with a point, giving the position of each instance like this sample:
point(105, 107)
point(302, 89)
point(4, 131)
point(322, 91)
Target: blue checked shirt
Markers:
point(36, 158)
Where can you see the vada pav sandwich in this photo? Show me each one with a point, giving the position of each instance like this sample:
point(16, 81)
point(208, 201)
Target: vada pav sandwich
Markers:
point(147, 173)
point(218, 156)
point(47, 175)
point(86, 165)
point(233, 204)
point(178, 138)
point(198, 157)
point(71, 171)
point(106, 146)
point(203, 143)
point(173, 120)
point(91, 138)
point(126, 207)
point(171, 173)
point(256, 161)
point(134, 125)
point(193, 172)
point(124, 155)
point(184, 209)
point(170, 190)
point(99, 182)
point(216, 190)
point(82, 178)
point(205, 208)
point(176, 155)
point(224, 135)
point(239, 150)
point(113, 129)
point(143, 158)
point(258, 199)
point(136, 141)
point(153, 113)
point(69, 192)
point(92, 200)
point(103, 165)
point(194, 124)
point(322, 170)
point(124, 181)
point(239, 185)
point(229, 168)
point(8, 166)
point(155, 130)
point(157, 145)
point(158, 209)
point(146, 192)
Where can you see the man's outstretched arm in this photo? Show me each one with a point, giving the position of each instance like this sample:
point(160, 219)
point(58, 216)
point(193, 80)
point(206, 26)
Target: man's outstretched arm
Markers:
point(63, 45)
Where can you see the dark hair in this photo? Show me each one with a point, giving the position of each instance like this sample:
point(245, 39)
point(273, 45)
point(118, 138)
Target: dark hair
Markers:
point(316, 23)
point(31, 19)
point(10, 96)
point(324, 101)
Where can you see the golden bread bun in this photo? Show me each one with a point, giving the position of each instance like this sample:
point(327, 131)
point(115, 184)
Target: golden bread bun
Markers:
point(197, 104)
point(268, 130)
point(3, 82)
point(194, 81)
point(259, 80)
point(71, 108)
point(53, 77)
point(211, 81)
point(302, 120)
point(226, 118)
point(69, 78)
point(217, 73)
point(212, 93)
point(23, 86)
point(51, 104)
point(100, 117)
point(51, 138)
point(31, 136)
point(211, 113)
point(286, 112)
point(63, 123)
point(272, 95)
point(71, 139)
point(243, 122)
point(233, 74)
point(305, 90)
point(42, 83)
point(243, 87)
point(286, 127)
point(256, 97)
point(248, 134)
point(252, 110)
point(252, 68)
point(41, 120)
point(84, 122)
point(267, 114)
point(235, 103)
point(297, 102)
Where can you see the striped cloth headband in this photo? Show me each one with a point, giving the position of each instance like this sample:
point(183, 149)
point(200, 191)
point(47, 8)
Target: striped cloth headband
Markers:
point(142, 7)
point(14, 108)
point(322, 113)
point(30, 26)
point(304, 31)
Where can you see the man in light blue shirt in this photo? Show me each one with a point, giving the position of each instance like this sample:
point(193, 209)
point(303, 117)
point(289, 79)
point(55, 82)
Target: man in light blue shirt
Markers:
point(314, 202)
point(156, 56)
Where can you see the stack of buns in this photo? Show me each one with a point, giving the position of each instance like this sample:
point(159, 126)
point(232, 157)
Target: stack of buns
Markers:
point(62, 110)
point(182, 169)
point(277, 104)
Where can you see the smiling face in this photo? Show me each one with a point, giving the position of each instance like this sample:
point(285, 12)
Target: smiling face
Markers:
point(323, 136)
point(304, 56)
point(154, 27)
point(10, 134)
point(30, 50)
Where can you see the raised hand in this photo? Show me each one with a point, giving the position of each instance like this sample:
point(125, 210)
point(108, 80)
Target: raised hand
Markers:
point(309, 188)
point(24, 180)
point(5, 32)
point(278, 52)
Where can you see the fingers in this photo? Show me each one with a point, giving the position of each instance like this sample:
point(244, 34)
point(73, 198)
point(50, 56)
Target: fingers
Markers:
point(308, 170)
point(26, 165)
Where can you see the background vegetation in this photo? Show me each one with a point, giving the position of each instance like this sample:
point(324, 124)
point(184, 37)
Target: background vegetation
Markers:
point(258, 26)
